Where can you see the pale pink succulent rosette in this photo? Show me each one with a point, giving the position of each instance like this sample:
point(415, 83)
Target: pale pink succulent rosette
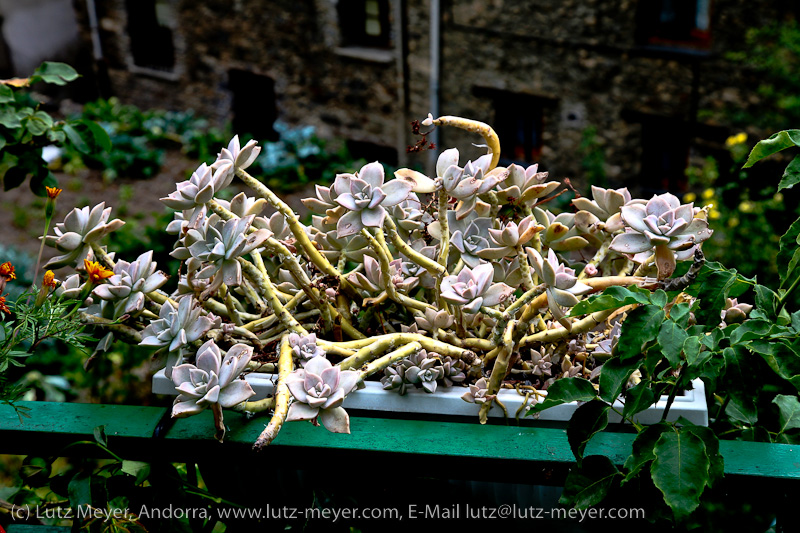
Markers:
point(664, 224)
point(211, 380)
point(319, 390)
point(563, 286)
point(473, 288)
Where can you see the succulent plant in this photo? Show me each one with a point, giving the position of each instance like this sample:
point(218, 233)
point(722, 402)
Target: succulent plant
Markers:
point(70, 288)
point(735, 312)
point(319, 390)
point(211, 380)
point(236, 156)
point(224, 242)
point(468, 235)
point(664, 224)
point(473, 288)
point(507, 240)
point(305, 348)
point(560, 232)
point(605, 207)
point(478, 392)
point(433, 320)
point(81, 228)
point(607, 345)
point(366, 197)
point(452, 371)
point(563, 286)
point(541, 363)
point(523, 186)
point(508, 271)
point(465, 184)
point(198, 189)
point(130, 282)
point(417, 369)
point(175, 328)
point(414, 270)
point(372, 279)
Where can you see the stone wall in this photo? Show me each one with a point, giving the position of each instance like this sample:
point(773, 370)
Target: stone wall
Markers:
point(580, 60)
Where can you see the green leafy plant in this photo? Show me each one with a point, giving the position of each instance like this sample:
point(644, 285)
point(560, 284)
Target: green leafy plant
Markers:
point(25, 129)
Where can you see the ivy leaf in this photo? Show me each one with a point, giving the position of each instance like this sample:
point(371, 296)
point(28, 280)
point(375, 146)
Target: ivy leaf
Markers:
point(137, 469)
point(679, 313)
point(789, 408)
point(767, 301)
point(776, 142)
point(642, 449)
point(80, 490)
point(638, 398)
point(587, 484)
point(671, 338)
point(712, 294)
point(741, 405)
point(566, 390)
point(641, 327)
point(791, 176)
point(659, 298)
point(691, 348)
point(100, 435)
point(55, 73)
point(613, 375)
point(680, 470)
point(6, 94)
point(780, 357)
point(749, 330)
point(716, 462)
point(788, 245)
point(588, 419)
point(611, 298)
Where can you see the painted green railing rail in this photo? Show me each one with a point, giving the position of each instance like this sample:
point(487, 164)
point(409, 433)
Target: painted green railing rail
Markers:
point(53, 426)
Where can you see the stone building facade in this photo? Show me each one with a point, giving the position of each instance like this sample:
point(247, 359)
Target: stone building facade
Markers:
point(648, 78)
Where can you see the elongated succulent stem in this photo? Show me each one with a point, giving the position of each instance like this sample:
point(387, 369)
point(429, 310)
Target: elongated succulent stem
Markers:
point(297, 229)
point(444, 243)
point(524, 268)
point(396, 339)
point(489, 135)
point(257, 406)
point(389, 359)
point(122, 330)
point(598, 258)
point(282, 396)
point(277, 307)
point(431, 266)
point(233, 313)
point(499, 370)
point(266, 322)
point(579, 326)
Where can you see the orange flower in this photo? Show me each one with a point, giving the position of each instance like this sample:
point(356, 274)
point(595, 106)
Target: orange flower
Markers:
point(49, 280)
point(7, 271)
point(3, 307)
point(53, 192)
point(96, 271)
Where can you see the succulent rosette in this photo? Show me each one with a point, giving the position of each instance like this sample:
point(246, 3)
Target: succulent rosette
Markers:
point(664, 224)
point(319, 390)
point(372, 279)
point(468, 235)
point(563, 286)
point(466, 184)
point(473, 288)
point(604, 207)
point(198, 189)
point(523, 186)
point(211, 380)
point(305, 348)
point(507, 240)
point(130, 282)
point(80, 229)
point(233, 157)
point(366, 197)
point(478, 392)
point(175, 328)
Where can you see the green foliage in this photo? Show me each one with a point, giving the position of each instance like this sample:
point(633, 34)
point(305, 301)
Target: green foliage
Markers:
point(25, 129)
point(752, 368)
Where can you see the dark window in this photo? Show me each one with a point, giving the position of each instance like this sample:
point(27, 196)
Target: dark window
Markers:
point(149, 23)
point(519, 122)
point(675, 23)
point(254, 107)
point(665, 154)
point(364, 23)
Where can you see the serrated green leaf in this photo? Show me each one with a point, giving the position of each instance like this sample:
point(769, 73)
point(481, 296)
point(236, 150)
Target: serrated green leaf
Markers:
point(566, 390)
point(641, 327)
point(11, 118)
point(100, 435)
point(642, 449)
point(76, 139)
point(56, 73)
point(588, 419)
point(680, 470)
point(749, 330)
point(671, 338)
point(100, 137)
point(781, 358)
point(796, 321)
point(611, 298)
point(679, 313)
point(791, 176)
point(767, 301)
point(638, 398)
point(588, 484)
point(659, 298)
point(6, 94)
point(613, 375)
point(691, 348)
point(789, 412)
point(80, 490)
point(137, 469)
point(774, 144)
point(716, 462)
point(792, 272)
point(741, 405)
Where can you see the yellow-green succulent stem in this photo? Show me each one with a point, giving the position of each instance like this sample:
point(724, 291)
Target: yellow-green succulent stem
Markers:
point(500, 369)
point(389, 359)
point(282, 396)
point(473, 126)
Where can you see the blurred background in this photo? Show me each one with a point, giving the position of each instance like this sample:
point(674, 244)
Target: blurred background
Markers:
point(653, 95)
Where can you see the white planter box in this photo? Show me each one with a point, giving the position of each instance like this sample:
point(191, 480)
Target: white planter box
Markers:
point(447, 401)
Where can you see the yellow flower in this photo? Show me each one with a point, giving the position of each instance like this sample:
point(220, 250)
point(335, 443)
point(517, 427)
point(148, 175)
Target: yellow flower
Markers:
point(49, 280)
point(746, 206)
point(53, 192)
point(778, 197)
point(733, 140)
point(96, 271)
point(714, 214)
point(7, 271)
point(708, 194)
point(689, 197)
point(733, 222)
